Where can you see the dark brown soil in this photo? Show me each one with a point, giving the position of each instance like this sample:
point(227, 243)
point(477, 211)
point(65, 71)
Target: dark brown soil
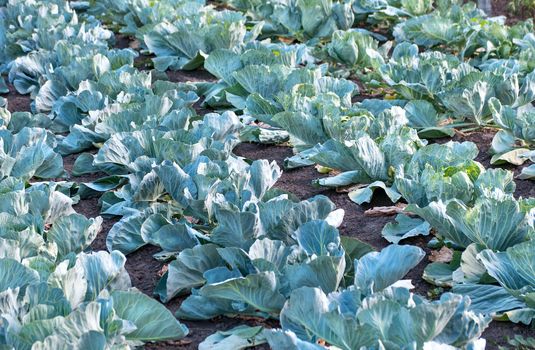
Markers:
point(184, 76)
point(17, 102)
point(89, 207)
point(125, 42)
point(505, 8)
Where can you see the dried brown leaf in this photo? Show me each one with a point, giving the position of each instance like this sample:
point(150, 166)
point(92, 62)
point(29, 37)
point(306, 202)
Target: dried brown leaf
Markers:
point(386, 211)
point(444, 255)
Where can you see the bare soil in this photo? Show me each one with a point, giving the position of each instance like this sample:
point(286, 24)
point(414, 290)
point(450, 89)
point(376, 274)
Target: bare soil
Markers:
point(504, 8)
point(17, 102)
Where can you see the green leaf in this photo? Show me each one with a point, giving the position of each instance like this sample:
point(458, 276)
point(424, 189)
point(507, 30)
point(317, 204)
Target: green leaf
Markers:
point(527, 173)
point(237, 338)
point(514, 157)
point(125, 235)
point(405, 227)
point(319, 238)
point(354, 247)
point(496, 223)
point(15, 275)
point(74, 233)
point(376, 271)
point(365, 194)
point(258, 290)
point(515, 268)
point(187, 271)
point(153, 321)
point(104, 270)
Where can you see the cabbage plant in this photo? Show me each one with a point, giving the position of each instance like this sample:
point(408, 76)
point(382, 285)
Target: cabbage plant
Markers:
point(134, 17)
point(83, 301)
point(48, 76)
point(260, 278)
point(29, 153)
point(441, 179)
point(463, 30)
point(472, 211)
point(97, 110)
point(363, 149)
point(30, 26)
point(517, 132)
point(56, 295)
point(513, 270)
point(252, 78)
point(233, 242)
point(185, 42)
point(393, 11)
point(378, 310)
point(291, 88)
point(357, 49)
point(306, 20)
point(454, 87)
